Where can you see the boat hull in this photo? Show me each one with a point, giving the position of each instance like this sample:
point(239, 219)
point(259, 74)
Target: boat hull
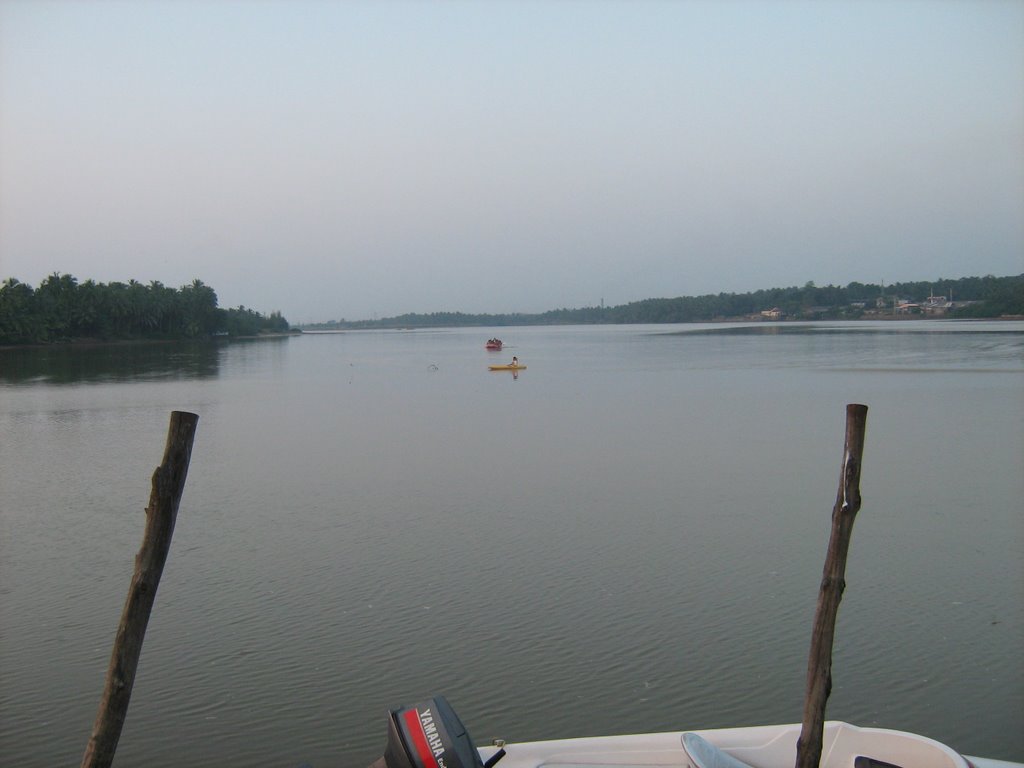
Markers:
point(507, 367)
point(758, 747)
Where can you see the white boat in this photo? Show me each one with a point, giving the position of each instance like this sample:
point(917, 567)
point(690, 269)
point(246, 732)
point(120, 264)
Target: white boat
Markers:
point(430, 735)
point(770, 746)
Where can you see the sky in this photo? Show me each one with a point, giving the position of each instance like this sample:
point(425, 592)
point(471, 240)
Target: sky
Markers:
point(355, 160)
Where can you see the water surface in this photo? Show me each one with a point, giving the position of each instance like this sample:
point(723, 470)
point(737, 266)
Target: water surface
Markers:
point(627, 536)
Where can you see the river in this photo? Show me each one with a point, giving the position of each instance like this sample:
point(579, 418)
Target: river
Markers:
point(627, 536)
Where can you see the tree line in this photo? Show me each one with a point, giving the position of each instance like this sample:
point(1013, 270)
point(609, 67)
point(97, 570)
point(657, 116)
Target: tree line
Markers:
point(62, 309)
point(987, 296)
point(974, 297)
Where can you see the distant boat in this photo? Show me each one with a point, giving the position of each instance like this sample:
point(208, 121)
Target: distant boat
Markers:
point(430, 734)
point(507, 367)
point(493, 344)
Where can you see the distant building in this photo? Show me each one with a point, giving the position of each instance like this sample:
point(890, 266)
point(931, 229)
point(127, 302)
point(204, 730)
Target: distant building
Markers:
point(771, 314)
point(936, 305)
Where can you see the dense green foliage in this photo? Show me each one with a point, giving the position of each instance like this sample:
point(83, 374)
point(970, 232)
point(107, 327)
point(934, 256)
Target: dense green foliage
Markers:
point(997, 297)
point(974, 297)
point(62, 309)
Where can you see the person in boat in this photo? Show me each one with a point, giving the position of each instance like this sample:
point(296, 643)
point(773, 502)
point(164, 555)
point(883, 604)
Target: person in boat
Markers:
point(515, 361)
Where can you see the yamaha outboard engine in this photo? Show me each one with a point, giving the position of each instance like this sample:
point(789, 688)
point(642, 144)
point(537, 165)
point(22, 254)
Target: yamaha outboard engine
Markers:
point(430, 735)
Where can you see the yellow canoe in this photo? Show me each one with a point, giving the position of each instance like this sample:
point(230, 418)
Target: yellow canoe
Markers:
point(507, 367)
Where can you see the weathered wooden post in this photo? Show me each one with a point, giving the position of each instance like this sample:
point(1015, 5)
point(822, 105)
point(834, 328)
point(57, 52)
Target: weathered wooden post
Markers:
point(819, 662)
point(168, 484)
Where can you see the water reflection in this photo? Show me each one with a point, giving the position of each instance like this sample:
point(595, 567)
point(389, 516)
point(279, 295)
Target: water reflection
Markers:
point(75, 364)
point(922, 347)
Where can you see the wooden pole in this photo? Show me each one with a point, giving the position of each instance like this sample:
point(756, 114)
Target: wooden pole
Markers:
point(168, 484)
point(833, 582)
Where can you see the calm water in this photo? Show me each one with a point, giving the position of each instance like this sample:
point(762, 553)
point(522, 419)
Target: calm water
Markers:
point(628, 536)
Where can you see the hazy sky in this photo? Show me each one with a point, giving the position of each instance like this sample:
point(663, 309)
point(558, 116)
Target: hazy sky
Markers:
point(359, 159)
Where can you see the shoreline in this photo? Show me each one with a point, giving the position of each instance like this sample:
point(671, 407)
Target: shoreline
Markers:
point(313, 328)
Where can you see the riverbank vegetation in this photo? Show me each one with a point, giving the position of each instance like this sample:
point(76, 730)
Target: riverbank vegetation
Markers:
point(62, 309)
point(973, 297)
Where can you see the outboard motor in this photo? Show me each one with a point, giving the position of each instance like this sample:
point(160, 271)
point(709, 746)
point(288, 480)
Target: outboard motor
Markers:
point(430, 735)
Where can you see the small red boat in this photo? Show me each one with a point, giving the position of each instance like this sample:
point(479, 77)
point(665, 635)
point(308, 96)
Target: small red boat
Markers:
point(493, 344)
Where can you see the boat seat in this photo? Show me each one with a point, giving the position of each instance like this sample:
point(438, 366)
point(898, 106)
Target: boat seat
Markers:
point(704, 754)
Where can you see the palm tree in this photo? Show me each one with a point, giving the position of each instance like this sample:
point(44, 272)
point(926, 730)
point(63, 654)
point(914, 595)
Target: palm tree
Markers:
point(20, 322)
